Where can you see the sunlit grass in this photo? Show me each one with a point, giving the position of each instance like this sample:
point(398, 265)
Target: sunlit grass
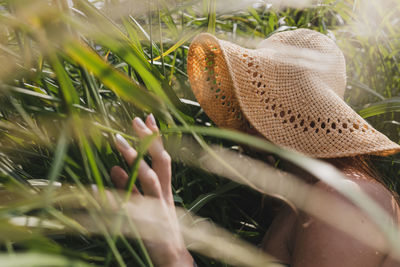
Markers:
point(74, 75)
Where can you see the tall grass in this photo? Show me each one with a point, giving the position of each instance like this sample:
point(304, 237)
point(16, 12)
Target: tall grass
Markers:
point(75, 73)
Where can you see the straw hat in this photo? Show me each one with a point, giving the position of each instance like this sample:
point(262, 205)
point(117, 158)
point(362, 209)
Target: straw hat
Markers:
point(290, 90)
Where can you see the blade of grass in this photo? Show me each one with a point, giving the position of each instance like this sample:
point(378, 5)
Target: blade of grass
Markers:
point(92, 162)
point(381, 107)
point(68, 92)
point(28, 120)
point(133, 35)
point(30, 93)
point(144, 32)
point(58, 159)
point(115, 80)
point(168, 19)
point(161, 39)
point(179, 43)
point(212, 17)
point(203, 199)
point(367, 89)
point(133, 252)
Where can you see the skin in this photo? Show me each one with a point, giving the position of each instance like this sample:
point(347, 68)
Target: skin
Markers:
point(155, 182)
point(296, 239)
point(301, 240)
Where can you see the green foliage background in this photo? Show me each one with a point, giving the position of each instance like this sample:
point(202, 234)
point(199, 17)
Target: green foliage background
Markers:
point(72, 76)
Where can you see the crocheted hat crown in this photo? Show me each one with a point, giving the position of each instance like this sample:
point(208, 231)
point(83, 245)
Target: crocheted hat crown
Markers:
point(290, 90)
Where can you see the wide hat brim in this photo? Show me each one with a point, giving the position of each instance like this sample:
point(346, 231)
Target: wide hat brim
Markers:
point(290, 91)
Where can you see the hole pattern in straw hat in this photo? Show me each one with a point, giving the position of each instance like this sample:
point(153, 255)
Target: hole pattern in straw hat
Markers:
point(212, 85)
point(290, 90)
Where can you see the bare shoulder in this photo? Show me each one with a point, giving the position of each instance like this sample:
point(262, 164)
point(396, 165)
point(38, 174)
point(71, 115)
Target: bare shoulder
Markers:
point(318, 231)
point(318, 243)
point(377, 191)
point(388, 202)
point(304, 240)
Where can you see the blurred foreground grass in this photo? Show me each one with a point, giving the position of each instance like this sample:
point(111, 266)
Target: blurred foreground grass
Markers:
point(74, 73)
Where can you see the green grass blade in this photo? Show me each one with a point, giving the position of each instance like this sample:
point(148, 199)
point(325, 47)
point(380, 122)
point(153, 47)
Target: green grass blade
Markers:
point(59, 158)
point(115, 80)
point(212, 17)
point(92, 162)
point(31, 93)
point(381, 107)
point(178, 44)
point(68, 92)
point(203, 199)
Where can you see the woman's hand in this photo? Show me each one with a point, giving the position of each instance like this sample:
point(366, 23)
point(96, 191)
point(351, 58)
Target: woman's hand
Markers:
point(156, 183)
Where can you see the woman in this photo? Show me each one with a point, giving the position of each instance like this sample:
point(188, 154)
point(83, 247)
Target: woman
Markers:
point(289, 91)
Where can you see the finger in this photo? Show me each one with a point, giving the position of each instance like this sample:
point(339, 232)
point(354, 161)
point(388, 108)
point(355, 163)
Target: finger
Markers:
point(147, 177)
point(143, 131)
point(108, 202)
point(120, 178)
point(161, 161)
point(128, 152)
